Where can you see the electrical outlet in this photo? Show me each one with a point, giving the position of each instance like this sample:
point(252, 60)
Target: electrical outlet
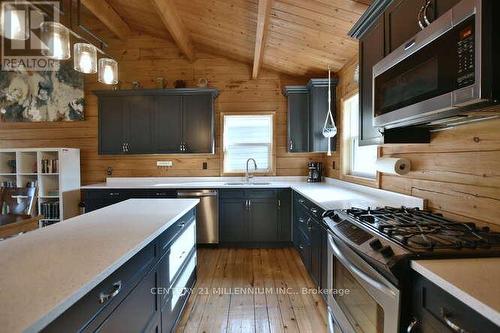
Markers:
point(165, 164)
point(205, 166)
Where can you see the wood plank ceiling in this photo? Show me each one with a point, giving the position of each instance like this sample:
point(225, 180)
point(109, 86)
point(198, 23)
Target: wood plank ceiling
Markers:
point(298, 37)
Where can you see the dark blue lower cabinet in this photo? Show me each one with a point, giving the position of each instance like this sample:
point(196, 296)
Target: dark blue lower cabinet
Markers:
point(142, 295)
point(255, 217)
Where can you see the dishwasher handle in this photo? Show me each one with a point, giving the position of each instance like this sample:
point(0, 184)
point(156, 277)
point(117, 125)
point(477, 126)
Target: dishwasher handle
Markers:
point(196, 194)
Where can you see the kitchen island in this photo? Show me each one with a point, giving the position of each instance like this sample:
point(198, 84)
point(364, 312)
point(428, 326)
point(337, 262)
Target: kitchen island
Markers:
point(82, 271)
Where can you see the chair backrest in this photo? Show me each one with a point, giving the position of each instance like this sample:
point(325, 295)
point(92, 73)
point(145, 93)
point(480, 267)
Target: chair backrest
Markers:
point(19, 201)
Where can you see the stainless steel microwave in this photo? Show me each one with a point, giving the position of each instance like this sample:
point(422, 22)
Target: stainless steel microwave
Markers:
point(448, 69)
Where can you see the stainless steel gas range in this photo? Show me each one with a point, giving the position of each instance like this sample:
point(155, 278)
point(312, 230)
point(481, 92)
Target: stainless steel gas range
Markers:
point(369, 253)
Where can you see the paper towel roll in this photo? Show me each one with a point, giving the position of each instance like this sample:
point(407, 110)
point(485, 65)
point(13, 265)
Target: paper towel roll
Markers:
point(394, 166)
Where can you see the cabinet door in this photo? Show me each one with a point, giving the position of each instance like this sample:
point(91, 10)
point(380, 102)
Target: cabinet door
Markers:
point(139, 118)
point(197, 123)
point(317, 115)
point(137, 311)
point(234, 221)
point(168, 124)
point(111, 125)
point(316, 252)
point(298, 122)
point(401, 22)
point(371, 51)
point(264, 220)
point(284, 212)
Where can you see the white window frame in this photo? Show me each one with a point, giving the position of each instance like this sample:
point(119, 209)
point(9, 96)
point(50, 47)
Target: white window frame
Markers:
point(349, 143)
point(270, 145)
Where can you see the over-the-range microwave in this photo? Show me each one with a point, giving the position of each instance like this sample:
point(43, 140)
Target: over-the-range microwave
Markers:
point(450, 68)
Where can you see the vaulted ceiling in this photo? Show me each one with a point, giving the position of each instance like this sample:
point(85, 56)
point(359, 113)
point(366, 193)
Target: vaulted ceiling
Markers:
point(300, 37)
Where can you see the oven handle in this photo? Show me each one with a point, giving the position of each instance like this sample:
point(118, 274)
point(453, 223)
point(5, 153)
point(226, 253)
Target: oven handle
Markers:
point(362, 275)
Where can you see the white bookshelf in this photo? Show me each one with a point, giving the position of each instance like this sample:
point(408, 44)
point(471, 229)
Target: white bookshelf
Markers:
point(58, 185)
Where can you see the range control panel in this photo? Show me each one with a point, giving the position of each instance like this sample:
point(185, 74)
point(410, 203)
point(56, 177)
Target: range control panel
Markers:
point(466, 57)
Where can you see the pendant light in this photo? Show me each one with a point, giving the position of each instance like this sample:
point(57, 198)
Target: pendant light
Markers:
point(108, 71)
point(56, 41)
point(329, 129)
point(14, 23)
point(85, 58)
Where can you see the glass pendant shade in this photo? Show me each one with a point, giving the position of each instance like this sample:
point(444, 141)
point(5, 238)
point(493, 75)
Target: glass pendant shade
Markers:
point(108, 71)
point(14, 23)
point(56, 41)
point(85, 58)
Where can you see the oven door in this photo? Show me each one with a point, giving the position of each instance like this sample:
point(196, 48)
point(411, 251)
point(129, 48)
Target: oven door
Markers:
point(360, 300)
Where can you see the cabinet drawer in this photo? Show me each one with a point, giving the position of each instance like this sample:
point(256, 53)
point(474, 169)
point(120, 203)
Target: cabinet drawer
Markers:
point(137, 311)
point(178, 296)
point(304, 248)
point(232, 193)
point(260, 194)
point(433, 306)
point(180, 249)
point(94, 304)
point(302, 220)
point(175, 229)
point(117, 194)
point(313, 209)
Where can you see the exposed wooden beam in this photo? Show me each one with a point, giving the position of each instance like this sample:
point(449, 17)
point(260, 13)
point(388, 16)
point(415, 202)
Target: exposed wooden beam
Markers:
point(263, 14)
point(109, 17)
point(174, 25)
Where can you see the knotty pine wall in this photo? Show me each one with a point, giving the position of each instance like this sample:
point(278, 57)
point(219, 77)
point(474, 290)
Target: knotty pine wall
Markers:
point(458, 172)
point(144, 58)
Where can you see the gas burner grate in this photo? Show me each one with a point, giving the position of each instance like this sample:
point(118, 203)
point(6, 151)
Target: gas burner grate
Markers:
point(419, 229)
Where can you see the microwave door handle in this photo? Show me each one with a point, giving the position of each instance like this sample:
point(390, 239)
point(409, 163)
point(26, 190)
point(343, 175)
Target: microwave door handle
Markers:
point(362, 275)
point(419, 17)
point(426, 19)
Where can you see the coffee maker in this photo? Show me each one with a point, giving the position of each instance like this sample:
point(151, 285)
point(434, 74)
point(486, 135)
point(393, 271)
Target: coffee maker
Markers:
point(315, 172)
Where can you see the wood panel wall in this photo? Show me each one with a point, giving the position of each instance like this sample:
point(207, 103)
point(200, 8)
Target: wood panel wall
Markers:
point(458, 172)
point(144, 58)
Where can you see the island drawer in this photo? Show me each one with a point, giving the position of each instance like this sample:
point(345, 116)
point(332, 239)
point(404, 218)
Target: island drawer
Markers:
point(180, 250)
point(101, 300)
point(178, 295)
point(175, 230)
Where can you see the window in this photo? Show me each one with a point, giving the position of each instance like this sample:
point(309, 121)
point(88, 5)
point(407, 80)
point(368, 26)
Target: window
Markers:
point(358, 161)
point(247, 136)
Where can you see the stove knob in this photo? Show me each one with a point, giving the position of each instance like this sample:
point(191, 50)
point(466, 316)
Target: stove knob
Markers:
point(387, 251)
point(376, 244)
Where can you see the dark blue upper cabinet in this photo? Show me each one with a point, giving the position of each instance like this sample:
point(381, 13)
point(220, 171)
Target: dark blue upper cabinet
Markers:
point(149, 121)
point(307, 110)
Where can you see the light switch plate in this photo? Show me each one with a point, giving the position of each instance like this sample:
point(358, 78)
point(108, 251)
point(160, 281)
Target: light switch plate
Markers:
point(166, 164)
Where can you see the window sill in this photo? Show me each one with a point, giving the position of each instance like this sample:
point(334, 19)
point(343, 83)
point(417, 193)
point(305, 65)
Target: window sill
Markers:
point(371, 182)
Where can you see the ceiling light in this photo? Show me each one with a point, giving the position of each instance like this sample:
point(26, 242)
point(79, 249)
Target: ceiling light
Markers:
point(13, 23)
point(56, 41)
point(85, 58)
point(108, 71)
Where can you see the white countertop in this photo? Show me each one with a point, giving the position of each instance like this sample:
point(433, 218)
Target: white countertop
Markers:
point(46, 271)
point(475, 282)
point(331, 194)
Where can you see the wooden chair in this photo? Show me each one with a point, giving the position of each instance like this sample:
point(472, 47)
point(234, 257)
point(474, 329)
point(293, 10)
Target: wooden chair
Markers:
point(19, 201)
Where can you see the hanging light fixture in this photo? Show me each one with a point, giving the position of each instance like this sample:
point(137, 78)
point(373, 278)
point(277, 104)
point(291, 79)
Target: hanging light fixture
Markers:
point(14, 23)
point(56, 41)
point(85, 58)
point(108, 71)
point(329, 129)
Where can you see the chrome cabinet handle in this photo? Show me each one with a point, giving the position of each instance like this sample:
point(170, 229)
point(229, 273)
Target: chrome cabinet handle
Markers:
point(249, 204)
point(279, 204)
point(301, 246)
point(301, 220)
point(451, 325)
point(412, 325)
point(114, 194)
point(117, 287)
point(314, 211)
point(301, 201)
point(291, 145)
point(426, 19)
point(182, 225)
point(419, 17)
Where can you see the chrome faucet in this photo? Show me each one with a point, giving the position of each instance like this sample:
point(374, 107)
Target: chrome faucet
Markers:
point(247, 174)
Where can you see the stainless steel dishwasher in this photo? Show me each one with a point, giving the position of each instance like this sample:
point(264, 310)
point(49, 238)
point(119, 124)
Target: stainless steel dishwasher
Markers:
point(207, 214)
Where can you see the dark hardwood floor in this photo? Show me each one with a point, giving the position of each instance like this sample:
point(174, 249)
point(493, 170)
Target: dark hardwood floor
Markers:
point(253, 290)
